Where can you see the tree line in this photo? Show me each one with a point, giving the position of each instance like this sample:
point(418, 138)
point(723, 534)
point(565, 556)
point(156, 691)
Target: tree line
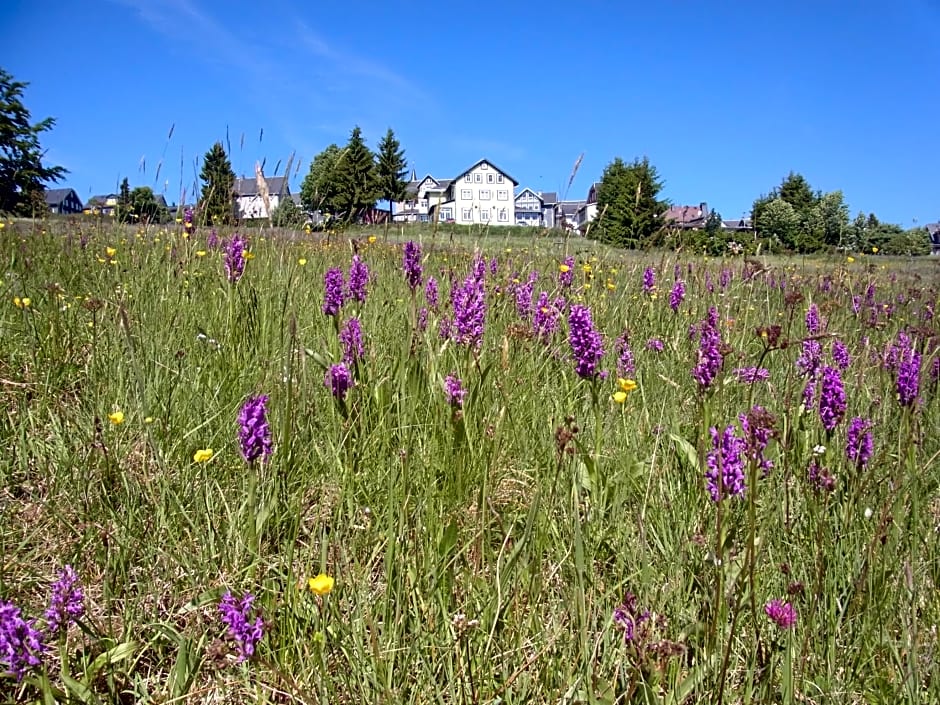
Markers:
point(792, 217)
point(344, 184)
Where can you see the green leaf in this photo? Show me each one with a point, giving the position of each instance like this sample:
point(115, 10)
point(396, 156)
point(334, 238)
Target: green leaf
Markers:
point(111, 656)
point(686, 451)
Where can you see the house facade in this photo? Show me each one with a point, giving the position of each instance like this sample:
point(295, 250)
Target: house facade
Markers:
point(933, 231)
point(480, 195)
point(101, 205)
point(63, 201)
point(249, 201)
point(535, 208)
point(420, 196)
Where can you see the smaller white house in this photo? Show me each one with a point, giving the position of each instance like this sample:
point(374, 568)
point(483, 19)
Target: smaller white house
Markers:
point(536, 208)
point(250, 201)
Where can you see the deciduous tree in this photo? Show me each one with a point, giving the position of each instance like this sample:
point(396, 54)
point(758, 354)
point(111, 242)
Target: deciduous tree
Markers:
point(320, 185)
point(23, 176)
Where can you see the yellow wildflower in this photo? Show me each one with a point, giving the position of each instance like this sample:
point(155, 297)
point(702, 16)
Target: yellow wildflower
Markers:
point(18, 302)
point(116, 417)
point(611, 285)
point(372, 239)
point(850, 259)
point(26, 302)
point(203, 455)
point(200, 253)
point(619, 397)
point(321, 585)
point(626, 385)
point(586, 268)
point(148, 420)
point(564, 268)
point(302, 261)
point(874, 250)
point(249, 255)
point(110, 251)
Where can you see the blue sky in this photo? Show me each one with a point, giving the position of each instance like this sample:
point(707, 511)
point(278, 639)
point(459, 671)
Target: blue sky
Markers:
point(724, 97)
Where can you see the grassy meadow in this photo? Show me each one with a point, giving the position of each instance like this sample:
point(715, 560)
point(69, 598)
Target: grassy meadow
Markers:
point(539, 537)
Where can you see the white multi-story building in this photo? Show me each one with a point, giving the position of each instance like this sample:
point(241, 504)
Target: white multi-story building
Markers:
point(481, 195)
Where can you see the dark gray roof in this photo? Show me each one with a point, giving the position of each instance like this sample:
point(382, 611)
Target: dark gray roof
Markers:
point(571, 207)
point(55, 196)
point(461, 174)
point(738, 224)
point(549, 198)
point(249, 187)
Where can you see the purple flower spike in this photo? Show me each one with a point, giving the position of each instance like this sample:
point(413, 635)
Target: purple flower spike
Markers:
point(781, 613)
point(859, 445)
point(470, 310)
point(453, 389)
point(358, 280)
point(235, 258)
point(832, 402)
point(333, 298)
point(725, 474)
point(587, 345)
point(21, 644)
point(431, 292)
point(649, 281)
point(840, 355)
point(677, 295)
point(351, 339)
point(908, 382)
point(254, 435)
point(245, 628)
point(710, 359)
point(812, 320)
point(411, 264)
point(67, 603)
point(339, 381)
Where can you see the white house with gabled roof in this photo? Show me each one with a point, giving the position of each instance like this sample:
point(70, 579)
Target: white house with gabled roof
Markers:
point(482, 195)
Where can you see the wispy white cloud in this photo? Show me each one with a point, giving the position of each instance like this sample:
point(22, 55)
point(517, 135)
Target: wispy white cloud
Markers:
point(312, 90)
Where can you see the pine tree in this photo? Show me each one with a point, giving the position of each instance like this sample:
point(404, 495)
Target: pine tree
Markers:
point(391, 169)
point(23, 177)
point(123, 210)
point(628, 207)
point(357, 185)
point(216, 206)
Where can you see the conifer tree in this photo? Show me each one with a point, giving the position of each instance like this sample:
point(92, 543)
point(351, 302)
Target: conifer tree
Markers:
point(628, 206)
point(357, 185)
point(216, 205)
point(391, 169)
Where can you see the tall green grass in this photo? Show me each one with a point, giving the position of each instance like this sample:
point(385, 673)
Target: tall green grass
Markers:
point(479, 556)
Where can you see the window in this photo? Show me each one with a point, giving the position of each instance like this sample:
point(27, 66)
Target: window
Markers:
point(466, 214)
point(484, 215)
point(499, 178)
point(485, 194)
point(466, 194)
point(478, 178)
point(489, 178)
point(503, 215)
point(484, 165)
point(467, 178)
point(446, 214)
point(502, 195)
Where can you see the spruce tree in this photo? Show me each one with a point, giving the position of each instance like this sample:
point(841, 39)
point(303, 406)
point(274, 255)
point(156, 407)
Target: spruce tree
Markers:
point(357, 185)
point(123, 210)
point(216, 206)
point(391, 169)
point(629, 210)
